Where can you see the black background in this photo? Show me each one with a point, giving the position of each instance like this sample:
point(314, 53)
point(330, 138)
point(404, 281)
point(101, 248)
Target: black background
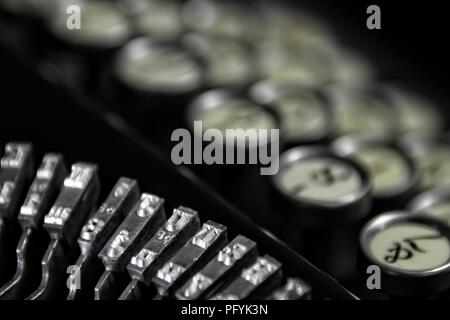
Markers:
point(414, 33)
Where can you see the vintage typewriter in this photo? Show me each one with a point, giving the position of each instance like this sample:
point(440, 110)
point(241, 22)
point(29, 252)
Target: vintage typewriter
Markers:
point(93, 207)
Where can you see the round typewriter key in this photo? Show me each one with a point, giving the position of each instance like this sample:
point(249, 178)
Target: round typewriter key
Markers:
point(224, 18)
point(246, 130)
point(296, 27)
point(432, 156)
point(360, 112)
point(395, 176)
point(228, 61)
point(157, 70)
point(305, 65)
point(102, 26)
point(435, 202)
point(159, 19)
point(222, 109)
point(322, 196)
point(412, 251)
point(303, 114)
point(415, 114)
point(321, 187)
point(352, 69)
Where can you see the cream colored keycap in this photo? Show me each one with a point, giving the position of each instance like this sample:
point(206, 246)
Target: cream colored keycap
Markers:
point(388, 168)
point(236, 114)
point(416, 115)
point(302, 117)
point(101, 24)
point(439, 210)
point(411, 246)
point(155, 68)
point(321, 179)
point(359, 113)
point(435, 166)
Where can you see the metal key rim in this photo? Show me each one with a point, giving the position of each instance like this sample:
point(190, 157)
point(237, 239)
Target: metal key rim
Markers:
point(382, 222)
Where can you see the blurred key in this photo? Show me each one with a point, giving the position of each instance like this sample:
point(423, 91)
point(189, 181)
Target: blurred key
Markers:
point(307, 65)
point(224, 18)
point(395, 176)
point(353, 68)
point(296, 27)
point(294, 289)
point(361, 111)
point(416, 115)
point(435, 202)
point(223, 109)
point(102, 25)
point(158, 19)
point(145, 70)
point(432, 157)
point(304, 115)
point(228, 62)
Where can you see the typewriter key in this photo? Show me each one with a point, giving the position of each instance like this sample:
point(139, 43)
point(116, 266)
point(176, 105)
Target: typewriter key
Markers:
point(222, 18)
point(435, 202)
point(159, 19)
point(245, 128)
point(223, 109)
point(432, 156)
point(411, 250)
point(322, 188)
point(307, 65)
point(353, 69)
point(157, 71)
point(416, 115)
point(322, 196)
point(229, 62)
point(282, 24)
point(395, 176)
point(360, 112)
point(303, 114)
point(102, 26)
